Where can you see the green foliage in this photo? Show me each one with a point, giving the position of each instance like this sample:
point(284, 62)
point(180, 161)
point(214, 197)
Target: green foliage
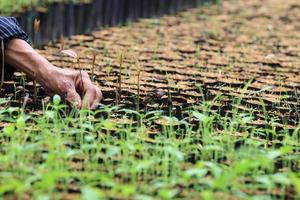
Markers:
point(107, 156)
point(8, 7)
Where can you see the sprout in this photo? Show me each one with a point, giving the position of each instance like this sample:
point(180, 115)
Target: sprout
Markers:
point(120, 57)
point(56, 100)
point(36, 25)
point(71, 53)
point(36, 28)
point(2, 64)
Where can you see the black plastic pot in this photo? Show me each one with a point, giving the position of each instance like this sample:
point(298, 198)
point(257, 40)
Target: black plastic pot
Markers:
point(66, 19)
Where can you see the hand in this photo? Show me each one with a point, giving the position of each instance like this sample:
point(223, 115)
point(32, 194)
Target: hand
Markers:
point(74, 86)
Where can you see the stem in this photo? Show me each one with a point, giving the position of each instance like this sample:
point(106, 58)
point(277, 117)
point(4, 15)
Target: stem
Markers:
point(78, 62)
point(170, 105)
point(2, 64)
point(120, 83)
point(34, 82)
point(93, 66)
point(138, 91)
point(34, 92)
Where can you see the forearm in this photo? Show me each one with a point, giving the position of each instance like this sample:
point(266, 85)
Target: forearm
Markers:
point(21, 55)
point(74, 86)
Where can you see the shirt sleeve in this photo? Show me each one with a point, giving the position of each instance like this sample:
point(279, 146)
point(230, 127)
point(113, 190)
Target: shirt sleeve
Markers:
point(10, 28)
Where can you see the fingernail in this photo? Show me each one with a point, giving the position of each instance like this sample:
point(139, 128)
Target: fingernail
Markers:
point(76, 104)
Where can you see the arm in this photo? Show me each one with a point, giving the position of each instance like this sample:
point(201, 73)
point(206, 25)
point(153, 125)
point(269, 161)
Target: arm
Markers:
point(69, 84)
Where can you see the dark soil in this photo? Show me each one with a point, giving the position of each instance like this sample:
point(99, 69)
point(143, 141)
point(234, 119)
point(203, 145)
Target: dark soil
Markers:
point(245, 51)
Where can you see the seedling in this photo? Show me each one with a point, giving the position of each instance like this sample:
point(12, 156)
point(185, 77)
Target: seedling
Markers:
point(170, 102)
point(26, 98)
point(74, 55)
point(62, 47)
point(2, 64)
point(120, 57)
point(36, 28)
point(62, 42)
point(94, 57)
point(93, 63)
point(138, 86)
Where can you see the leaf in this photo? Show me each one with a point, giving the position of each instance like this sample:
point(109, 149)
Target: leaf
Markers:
point(247, 119)
point(89, 193)
point(168, 193)
point(281, 178)
point(56, 100)
point(49, 114)
point(273, 154)
point(9, 130)
point(201, 117)
point(264, 179)
point(295, 181)
point(21, 122)
point(43, 197)
point(267, 88)
point(70, 53)
point(128, 190)
point(108, 124)
point(213, 148)
point(36, 25)
point(198, 173)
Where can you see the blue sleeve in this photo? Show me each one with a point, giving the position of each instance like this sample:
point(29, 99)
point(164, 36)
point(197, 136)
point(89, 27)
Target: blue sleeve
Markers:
point(9, 28)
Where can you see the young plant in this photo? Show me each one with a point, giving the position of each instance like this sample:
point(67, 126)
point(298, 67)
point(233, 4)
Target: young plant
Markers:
point(36, 28)
point(62, 42)
point(138, 86)
point(74, 55)
point(2, 64)
point(93, 63)
point(94, 57)
point(61, 48)
point(170, 102)
point(120, 57)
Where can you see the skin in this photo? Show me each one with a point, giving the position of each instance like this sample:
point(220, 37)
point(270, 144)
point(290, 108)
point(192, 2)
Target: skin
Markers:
point(74, 86)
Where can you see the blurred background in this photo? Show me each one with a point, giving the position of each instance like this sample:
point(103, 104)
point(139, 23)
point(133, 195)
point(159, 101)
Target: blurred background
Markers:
point(68, 17)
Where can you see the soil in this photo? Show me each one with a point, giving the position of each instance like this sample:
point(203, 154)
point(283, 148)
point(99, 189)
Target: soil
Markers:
point(242, 50)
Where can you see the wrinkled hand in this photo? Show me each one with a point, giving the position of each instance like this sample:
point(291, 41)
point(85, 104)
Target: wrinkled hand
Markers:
point(74, 86)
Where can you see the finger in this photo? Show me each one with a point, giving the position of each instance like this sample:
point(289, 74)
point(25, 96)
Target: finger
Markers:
point(91, 94)
point(92, 98)
point(97, 99)
point(88, 97)
point(74, 98)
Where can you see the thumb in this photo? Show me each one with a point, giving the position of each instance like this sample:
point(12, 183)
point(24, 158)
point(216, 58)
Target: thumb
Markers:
point(73, 98)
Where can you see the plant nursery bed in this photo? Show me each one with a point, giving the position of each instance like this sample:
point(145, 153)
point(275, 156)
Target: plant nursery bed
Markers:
point(203, 105)
point(201, 54)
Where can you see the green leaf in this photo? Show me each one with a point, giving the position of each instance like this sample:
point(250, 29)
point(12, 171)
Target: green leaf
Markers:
point(9, 130)
point(198, 173)
point(281, 178)
point(168, 193)
point(295, 181)
point(273, 154)
point(201, 117)
point(90, 193)
point(21, 122)
point(56, 100)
